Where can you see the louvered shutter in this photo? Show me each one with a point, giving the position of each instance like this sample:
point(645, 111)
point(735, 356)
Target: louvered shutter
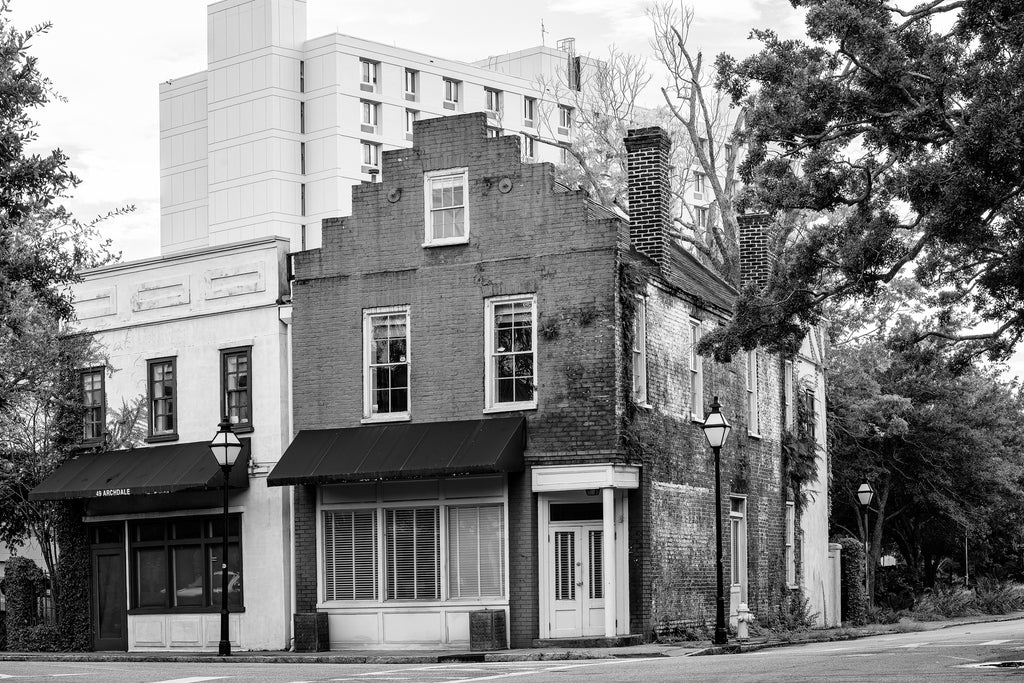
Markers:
point(596, 564)
point(350, 555)
point(565, 565)
point(413, 554)
point(476, 552)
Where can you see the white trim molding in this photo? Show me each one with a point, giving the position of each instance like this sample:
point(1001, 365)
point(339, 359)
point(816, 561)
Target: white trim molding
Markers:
point(547, 478)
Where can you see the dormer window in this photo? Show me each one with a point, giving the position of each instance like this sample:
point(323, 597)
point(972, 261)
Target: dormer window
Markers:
point(446, 213)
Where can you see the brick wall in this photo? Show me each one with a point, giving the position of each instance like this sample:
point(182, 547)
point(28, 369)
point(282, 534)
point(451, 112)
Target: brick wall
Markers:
point(757, 255)
point(305, 548)
point(647, 161)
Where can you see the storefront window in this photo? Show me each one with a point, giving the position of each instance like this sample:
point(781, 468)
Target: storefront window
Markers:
point(176, 564)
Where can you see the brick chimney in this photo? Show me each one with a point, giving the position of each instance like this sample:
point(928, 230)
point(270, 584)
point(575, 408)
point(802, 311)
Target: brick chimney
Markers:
point(647, 164)
point(757, 256)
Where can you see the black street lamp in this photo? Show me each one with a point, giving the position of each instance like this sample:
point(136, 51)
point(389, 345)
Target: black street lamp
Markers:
point(716, 431)
point(864, 495)
point(225, 447)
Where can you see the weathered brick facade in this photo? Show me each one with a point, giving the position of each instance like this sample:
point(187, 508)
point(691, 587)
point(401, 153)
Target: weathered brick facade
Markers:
point(526, 237)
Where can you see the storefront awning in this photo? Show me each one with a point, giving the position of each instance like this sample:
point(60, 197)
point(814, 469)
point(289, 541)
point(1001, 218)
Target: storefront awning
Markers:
point(142, 471)
point(403, 450)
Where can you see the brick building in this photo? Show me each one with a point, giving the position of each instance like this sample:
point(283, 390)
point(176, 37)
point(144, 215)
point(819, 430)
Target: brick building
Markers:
point(498, 405)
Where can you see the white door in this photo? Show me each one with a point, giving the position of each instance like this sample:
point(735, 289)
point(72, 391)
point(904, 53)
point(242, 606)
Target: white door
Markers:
point(738, 555)
point(576, 578)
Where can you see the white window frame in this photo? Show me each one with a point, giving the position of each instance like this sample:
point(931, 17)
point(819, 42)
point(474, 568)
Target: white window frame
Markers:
point(790, 544)
point(700, 182)
point(369, 72)
point(428, 179)
point(696, 363)
point(702, 215)
point(412, 82)
point(492, 101)
point(370, 115)
point(529, 111)
point(639, 351)
point(411, 116)
point(368, 315)
point(738, 540)
point(565, 118)
point(529, 148)
point(450, 555)
point(371, 160)
point(378, 504)
point(452, 91)
point(490, 399)
point(789, 414)
point(753, 401)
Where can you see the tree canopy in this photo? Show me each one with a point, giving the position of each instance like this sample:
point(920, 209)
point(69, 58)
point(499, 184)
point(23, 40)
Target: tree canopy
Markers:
point(900, 133)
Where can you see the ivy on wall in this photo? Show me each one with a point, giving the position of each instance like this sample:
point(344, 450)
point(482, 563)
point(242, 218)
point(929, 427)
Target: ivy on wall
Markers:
point(72, 604)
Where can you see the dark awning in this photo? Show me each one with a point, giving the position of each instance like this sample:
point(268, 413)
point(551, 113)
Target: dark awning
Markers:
point(402, 450)
point(142, 471)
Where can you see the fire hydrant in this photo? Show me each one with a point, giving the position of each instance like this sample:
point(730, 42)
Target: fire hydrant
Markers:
point(744, 618)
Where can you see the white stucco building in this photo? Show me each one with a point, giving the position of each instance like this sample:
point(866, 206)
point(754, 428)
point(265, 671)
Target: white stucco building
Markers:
point(271, 136)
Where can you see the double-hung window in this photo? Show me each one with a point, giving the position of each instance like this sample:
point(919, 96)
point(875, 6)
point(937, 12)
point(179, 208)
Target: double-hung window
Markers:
point(162, 399)
point(528, 147)
point(790, 544)
point(386, 344)
point(446, 210)
point(511, 344)
point(529, 111)
point(696, 374)
point(94, 418)
point(236, 388)
point(753, 401)
point(640, 351)
point(370, 116)
point(699, 183)
point(452, 90)
point(411, 117)
point(368, 75)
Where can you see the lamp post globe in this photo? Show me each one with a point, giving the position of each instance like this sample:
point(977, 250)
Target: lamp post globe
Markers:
point(226, 447)
point(865, 494)
point(716, 431)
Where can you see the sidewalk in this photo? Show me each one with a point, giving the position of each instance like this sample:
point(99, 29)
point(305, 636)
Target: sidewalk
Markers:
point(681, 649)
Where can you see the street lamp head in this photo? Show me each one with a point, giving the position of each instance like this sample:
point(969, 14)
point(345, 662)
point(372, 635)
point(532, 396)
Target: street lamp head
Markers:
point(864, 494)
point(716, 427)
point(225, 444)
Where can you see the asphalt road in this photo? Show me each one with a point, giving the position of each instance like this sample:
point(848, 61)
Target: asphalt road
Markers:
point(952, 654)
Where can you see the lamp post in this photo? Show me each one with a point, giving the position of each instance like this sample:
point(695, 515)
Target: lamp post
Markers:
point(716, 431)
point(225, 447)
point(864, 495)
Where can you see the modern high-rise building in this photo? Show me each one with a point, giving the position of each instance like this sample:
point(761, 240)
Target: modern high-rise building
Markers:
point(271, 136)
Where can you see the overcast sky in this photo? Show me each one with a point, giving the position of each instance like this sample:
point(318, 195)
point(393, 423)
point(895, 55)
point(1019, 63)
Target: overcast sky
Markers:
point(106, 58)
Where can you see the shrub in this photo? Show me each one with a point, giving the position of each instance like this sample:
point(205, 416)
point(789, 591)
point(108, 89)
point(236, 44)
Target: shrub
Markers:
point(992, 596)
point(793, 613)
point(945, 602)
point(72, 600)
point(23, 585)
point(855, 599)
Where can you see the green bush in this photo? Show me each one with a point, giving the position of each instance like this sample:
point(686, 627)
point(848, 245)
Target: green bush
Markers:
point(792, 612)
point(23, 585)
point(855, 599)
point(992, 596)
point(945, 602)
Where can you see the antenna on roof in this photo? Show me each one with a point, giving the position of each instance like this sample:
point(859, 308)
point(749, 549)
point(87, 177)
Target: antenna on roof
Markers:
point(543, 32)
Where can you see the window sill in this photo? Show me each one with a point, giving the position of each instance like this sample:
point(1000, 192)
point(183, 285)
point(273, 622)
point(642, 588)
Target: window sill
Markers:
point(510, 407)
point(405, 604)
point(396, 417)
point(446, 243)
point(182, 610)
point(754, 435)
point(644, 404)
point(697, 419)
point(160, 438)
point(242, 429)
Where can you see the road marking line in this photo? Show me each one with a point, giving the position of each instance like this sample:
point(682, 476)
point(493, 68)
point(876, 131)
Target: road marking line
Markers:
point(193, 679)
point(996, 642)
point(911, 645)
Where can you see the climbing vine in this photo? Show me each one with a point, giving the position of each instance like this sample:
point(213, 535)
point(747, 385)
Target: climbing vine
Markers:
point(800, 447)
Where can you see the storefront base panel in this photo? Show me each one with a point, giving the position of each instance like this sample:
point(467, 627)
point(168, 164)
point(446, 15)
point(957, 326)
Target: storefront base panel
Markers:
point(427, 628)
point(191, 632)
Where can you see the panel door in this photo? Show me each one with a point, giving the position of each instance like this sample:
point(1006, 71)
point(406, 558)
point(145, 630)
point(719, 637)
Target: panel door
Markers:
point(577, 581)
point(110, 599)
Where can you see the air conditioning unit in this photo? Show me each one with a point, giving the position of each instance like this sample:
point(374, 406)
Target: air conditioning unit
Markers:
point(698, 196)
point(563, 130)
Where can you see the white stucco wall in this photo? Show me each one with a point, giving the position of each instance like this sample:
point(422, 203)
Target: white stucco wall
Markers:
point(191, 306)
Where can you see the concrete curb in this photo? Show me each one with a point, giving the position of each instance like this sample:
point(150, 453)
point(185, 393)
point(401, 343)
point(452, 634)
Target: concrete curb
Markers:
point(823, 637)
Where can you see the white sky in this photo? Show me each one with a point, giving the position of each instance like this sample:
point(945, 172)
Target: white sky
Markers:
point(106, 58)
